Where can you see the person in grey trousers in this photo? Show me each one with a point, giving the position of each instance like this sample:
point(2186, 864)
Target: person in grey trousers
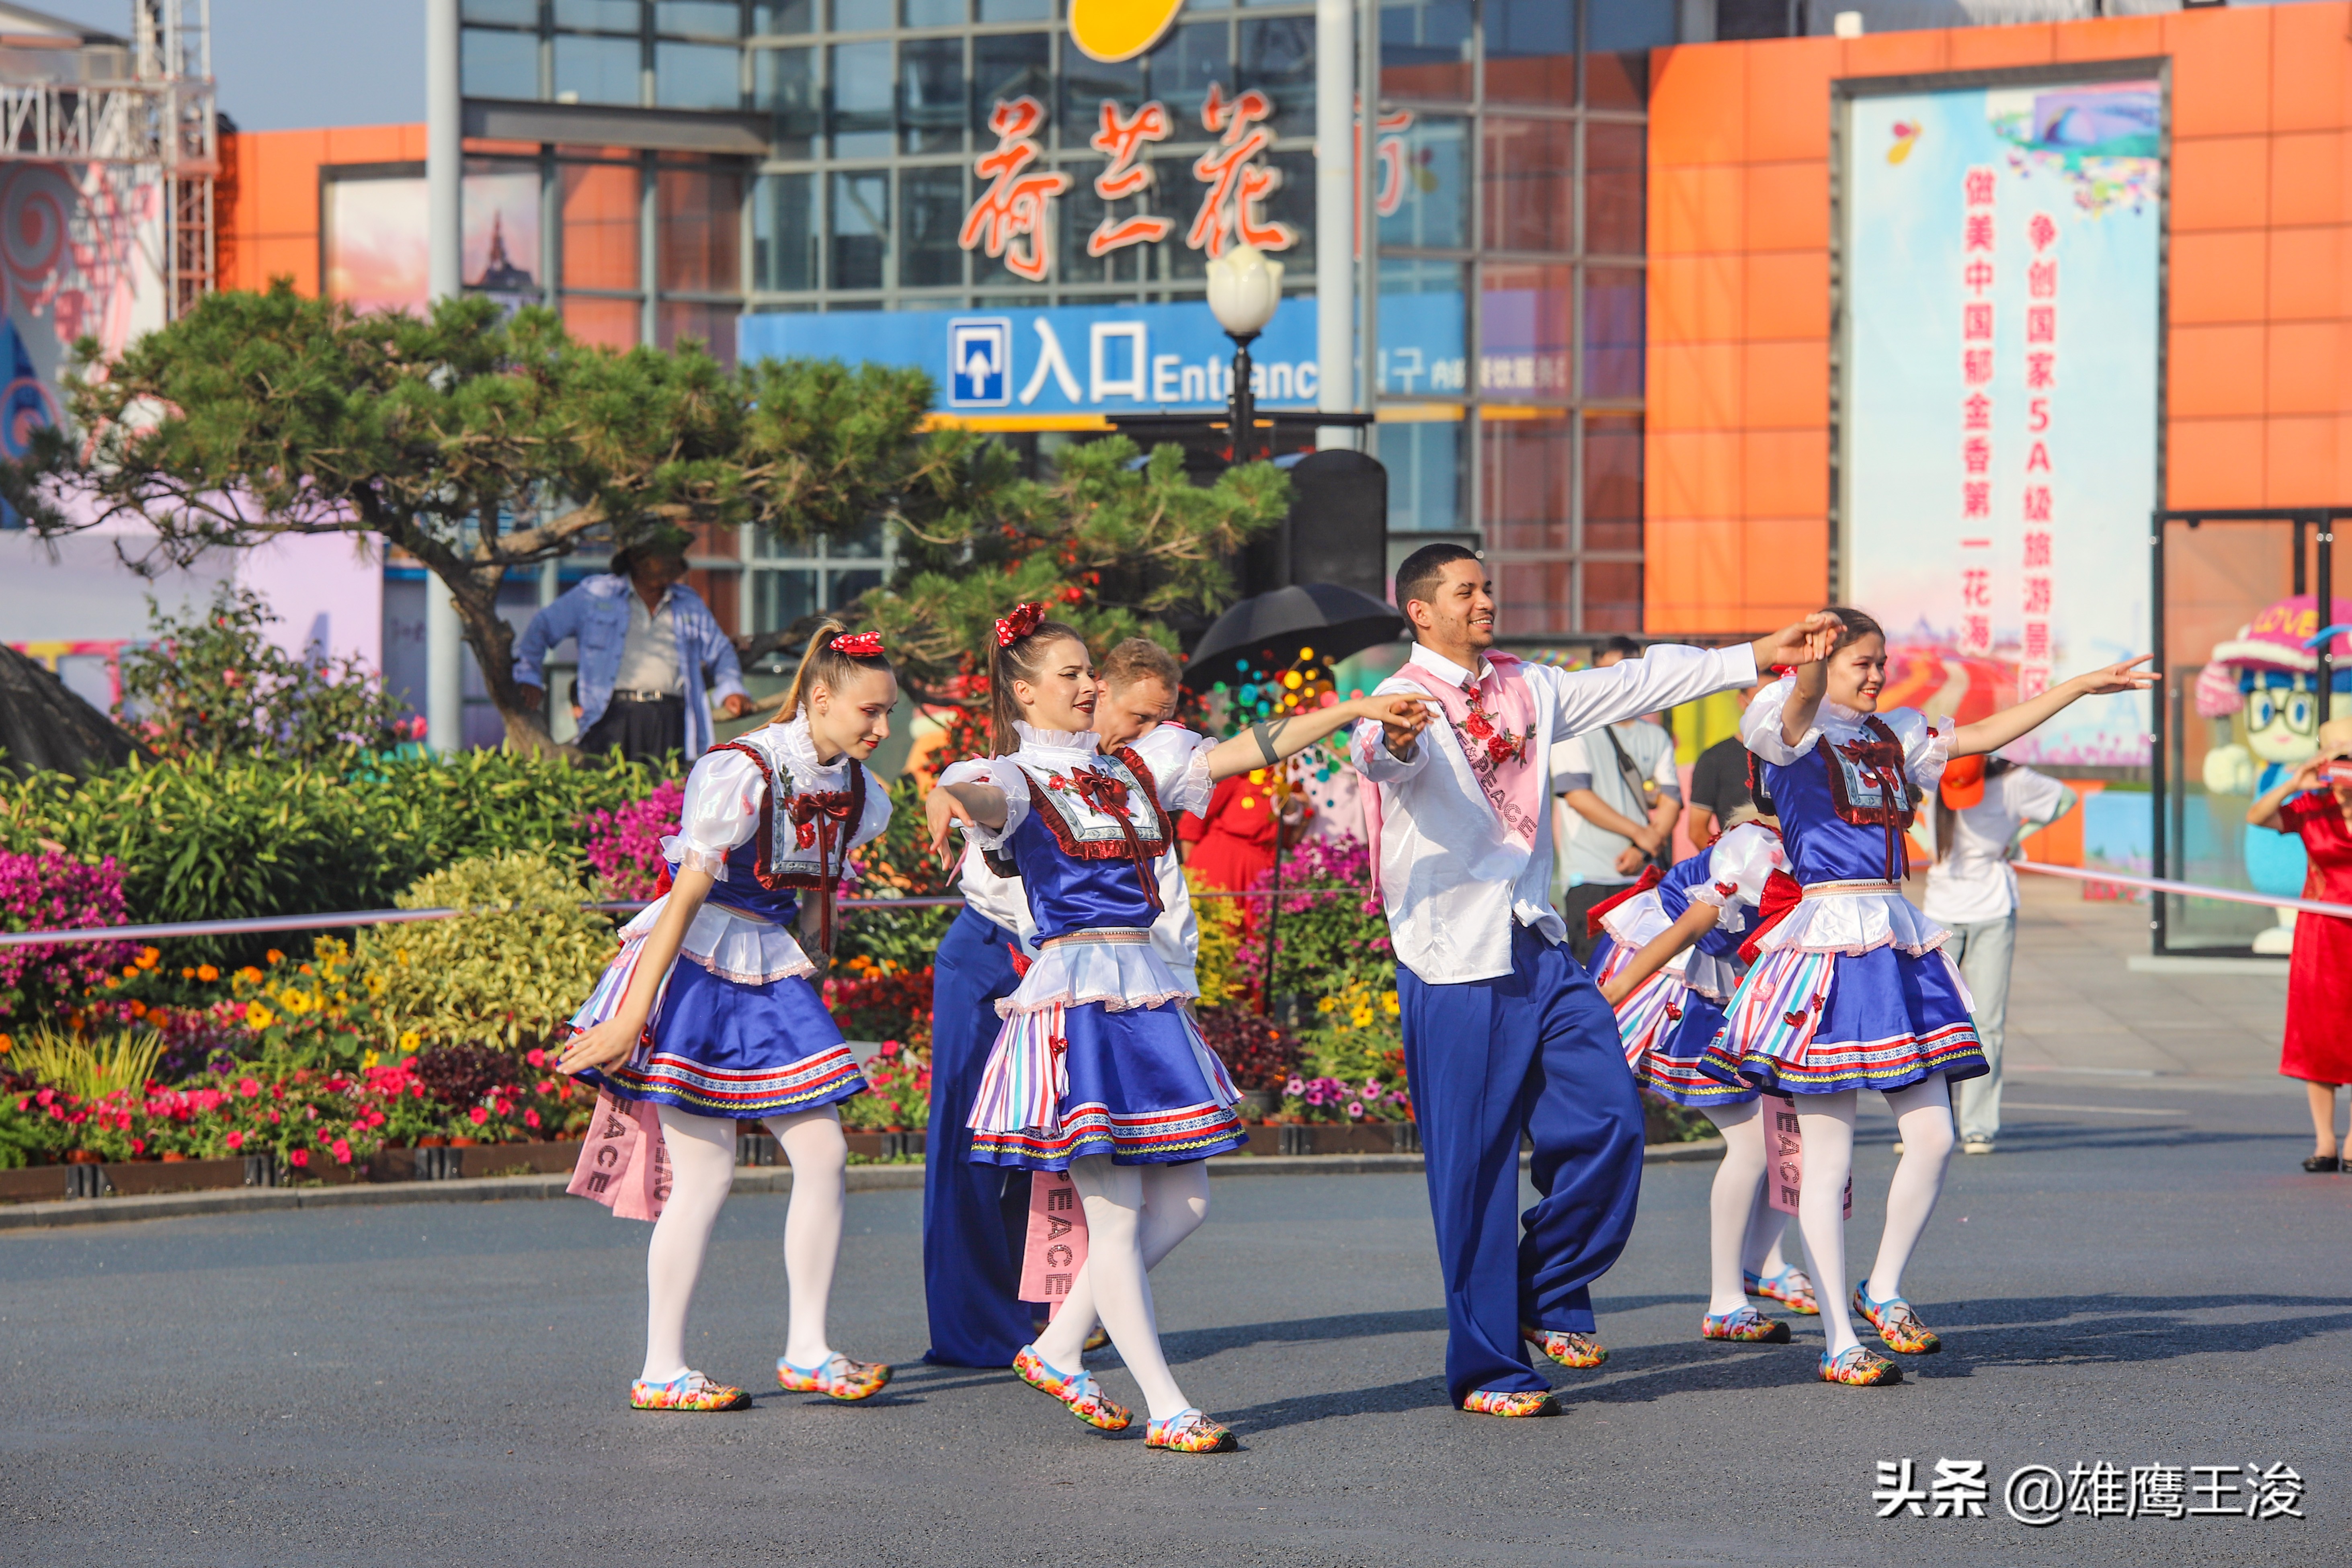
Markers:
point(1984, 805)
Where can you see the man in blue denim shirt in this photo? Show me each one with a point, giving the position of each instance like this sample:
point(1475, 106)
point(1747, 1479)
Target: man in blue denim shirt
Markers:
point(651, 656)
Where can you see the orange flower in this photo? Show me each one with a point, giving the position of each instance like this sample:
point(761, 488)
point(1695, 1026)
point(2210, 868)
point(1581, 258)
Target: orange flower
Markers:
point(249, 974)
point(207, 973)
point(273, 956)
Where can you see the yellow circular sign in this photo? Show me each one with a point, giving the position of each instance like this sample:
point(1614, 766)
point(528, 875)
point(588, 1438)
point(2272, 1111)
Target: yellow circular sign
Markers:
point(1115, 30)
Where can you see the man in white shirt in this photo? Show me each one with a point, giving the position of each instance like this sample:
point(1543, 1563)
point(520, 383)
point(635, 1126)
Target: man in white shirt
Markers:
point(1980, 810)
point(1505, 1037)
point(975, 1218)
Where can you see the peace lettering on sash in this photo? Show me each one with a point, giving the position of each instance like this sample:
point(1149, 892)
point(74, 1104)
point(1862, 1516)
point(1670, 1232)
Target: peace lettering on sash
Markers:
point(1056, 1246)
point(1498, 753)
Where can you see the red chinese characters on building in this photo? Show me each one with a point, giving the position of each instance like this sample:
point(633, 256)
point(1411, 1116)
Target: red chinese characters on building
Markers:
point(1013, 217)
point(1123, 140)
point(2037, 591)
point(1389, 196)
point(1978, 189)
point(1238, 184)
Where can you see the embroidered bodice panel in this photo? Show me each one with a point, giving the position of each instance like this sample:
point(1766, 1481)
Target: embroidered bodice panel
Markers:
point(1846, 791)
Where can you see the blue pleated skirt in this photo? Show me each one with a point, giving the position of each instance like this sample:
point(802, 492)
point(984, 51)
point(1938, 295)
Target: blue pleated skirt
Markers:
point(1887, 1019)
point(720, 1047)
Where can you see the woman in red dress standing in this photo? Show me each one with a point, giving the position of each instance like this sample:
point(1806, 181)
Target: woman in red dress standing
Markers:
point(2316, 803)
point(1231, 843)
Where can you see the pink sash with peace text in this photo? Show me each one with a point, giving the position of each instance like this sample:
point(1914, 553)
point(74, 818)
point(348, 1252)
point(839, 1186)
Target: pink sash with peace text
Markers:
point(1513, 785)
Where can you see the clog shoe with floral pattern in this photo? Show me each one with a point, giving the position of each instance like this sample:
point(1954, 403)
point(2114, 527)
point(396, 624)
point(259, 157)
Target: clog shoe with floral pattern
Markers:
point(1566, 1346)
point(1509, 1401)
point(839, 1378)
point(1190, 1432)
point(1859, 1368)
point(1790, 1287)
point(686, 1391)
point(1745, 1326)
point(1078, 1391)
point(1899, 1328)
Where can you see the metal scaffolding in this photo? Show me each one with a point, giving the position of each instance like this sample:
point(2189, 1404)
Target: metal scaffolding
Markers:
point(146, 106)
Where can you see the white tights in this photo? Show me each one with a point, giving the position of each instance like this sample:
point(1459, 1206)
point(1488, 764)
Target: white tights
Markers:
point(1743, 1231)
point(1923, 1113)
point(702, 1168)
point(1135, 1217)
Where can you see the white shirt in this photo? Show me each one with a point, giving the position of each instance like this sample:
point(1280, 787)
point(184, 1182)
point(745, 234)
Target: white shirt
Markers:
point(649, 652)
point(1973, 881)
point(1453, 879)
point(1169, 750)
point(1587, 852)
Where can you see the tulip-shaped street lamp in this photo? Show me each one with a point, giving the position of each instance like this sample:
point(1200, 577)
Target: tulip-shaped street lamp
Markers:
point(1244, 287)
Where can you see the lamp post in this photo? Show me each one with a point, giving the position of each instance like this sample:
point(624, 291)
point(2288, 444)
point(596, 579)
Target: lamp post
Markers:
point(1244, 287)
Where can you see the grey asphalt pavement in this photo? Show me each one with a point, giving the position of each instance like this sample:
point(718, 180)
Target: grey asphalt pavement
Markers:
point(2142, 1277)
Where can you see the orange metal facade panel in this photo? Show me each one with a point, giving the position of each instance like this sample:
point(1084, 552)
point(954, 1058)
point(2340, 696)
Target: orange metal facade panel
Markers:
point(1991, 48)
point(2218, 276)
point(1788, 568)
point(1787, 99)
point(2303, 373)
point(2221, 71)
point(1692, 473)
point(1788, 206)
point(1693, 298)
point(1788, 294)
point(2307, 281)
point(1894, 53)
point(1788, 387)
point(2111, 38)
point(2301, 465)
point(2307, 177)
point(1695, 207)
point(2213, 462)
point(1695, 386)
point(2215, 372)
point(1690, 569)
point(1786, 473)
point(2311, 67)
point(1696, 106)
point(2221, 182)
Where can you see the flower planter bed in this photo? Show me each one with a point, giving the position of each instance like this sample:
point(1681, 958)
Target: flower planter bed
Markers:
point(1334, 1137)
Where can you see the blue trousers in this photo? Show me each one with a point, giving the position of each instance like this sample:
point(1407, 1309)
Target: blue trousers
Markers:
point(975, 1218)
point(1533, 1052)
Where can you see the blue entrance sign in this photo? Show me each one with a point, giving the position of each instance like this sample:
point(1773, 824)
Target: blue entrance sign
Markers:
point(1112, 359)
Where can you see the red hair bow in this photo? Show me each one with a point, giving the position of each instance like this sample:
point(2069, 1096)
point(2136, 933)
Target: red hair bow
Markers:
point(858, 645)
point(1023, 620)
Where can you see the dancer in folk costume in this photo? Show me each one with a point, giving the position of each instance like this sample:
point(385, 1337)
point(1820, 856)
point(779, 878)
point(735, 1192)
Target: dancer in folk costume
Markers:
point(1852, 988)
point(1505, 1036)
point(1099, 1069)
point(1668, 962)
point(736, 1032)
point(975, 1215)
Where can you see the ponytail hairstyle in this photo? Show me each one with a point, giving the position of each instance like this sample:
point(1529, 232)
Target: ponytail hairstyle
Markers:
point(835, 658)
point(1022, 640)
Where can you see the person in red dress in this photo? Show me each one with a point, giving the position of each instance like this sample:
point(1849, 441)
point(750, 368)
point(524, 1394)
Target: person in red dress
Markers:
point(1231, 845)
point(2316, 803)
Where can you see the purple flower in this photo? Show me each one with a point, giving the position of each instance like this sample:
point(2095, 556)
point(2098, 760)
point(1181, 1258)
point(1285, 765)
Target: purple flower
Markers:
point(1354, 1110)
point(1296, 1086)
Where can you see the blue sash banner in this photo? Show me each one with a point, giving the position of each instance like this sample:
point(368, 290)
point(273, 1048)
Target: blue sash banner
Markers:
point(1097, 359)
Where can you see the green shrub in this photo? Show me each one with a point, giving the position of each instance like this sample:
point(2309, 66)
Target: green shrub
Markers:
point(225, 838)
point(508, 975)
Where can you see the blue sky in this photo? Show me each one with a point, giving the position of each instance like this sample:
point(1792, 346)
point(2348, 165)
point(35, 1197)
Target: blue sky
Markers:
point(288, 64)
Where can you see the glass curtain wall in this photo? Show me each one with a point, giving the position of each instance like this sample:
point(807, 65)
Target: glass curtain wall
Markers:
point(1512, 170)
point(1511, 159)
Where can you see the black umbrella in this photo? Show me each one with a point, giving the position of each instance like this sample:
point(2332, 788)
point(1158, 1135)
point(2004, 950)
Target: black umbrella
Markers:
point(1269, 629)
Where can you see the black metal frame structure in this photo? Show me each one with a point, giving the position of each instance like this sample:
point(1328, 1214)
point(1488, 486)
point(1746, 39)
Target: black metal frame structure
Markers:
point(2314, 575)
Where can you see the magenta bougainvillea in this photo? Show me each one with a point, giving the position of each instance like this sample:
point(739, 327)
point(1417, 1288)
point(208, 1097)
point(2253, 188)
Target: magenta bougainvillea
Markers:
point(47, 890)
point(624, 844)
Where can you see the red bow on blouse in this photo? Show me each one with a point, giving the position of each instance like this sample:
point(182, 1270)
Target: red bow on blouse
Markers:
point(1109, 794)
point(819, 819)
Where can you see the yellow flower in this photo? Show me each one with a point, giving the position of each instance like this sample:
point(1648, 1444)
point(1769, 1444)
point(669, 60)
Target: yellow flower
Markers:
point(369, 1059)
point(375, 985)
point(407, 1041)
point(257, 1016)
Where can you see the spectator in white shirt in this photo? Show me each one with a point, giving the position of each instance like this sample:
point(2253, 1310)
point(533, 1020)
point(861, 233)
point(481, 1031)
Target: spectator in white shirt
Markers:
point(1985, 804)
